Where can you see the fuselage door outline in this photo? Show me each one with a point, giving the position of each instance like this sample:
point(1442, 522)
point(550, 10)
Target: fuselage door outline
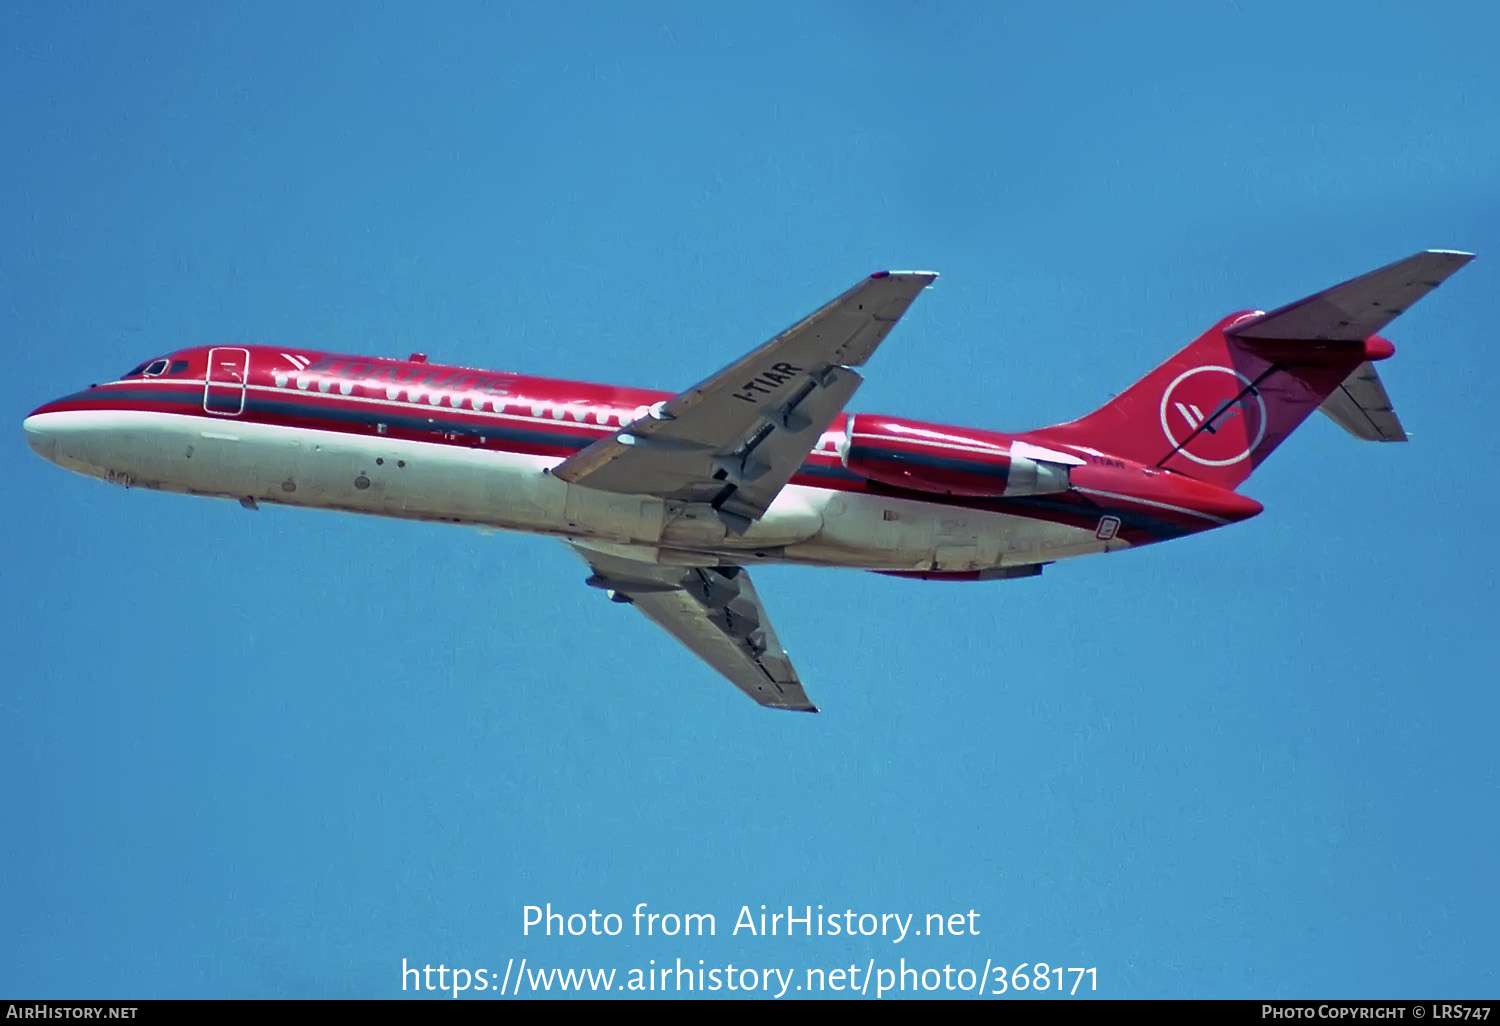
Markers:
point(224, 383)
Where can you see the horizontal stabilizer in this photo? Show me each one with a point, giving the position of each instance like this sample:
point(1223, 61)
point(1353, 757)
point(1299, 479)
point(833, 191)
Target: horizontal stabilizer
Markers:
point(1361, 407)
point(1358, 308)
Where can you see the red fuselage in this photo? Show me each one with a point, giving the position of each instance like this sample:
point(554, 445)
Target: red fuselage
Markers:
point(1112, 499)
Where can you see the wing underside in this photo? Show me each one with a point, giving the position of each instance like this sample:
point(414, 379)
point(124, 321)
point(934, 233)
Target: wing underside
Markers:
point(733, 440)
point(726, 447)
point(716, 613)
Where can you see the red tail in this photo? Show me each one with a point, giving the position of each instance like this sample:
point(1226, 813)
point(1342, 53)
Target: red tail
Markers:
point(1222, 405)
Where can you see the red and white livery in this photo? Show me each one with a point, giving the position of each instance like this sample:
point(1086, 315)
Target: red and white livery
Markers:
point(670, 498)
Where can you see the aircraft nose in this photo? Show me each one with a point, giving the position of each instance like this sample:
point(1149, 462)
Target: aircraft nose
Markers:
point(39, 436)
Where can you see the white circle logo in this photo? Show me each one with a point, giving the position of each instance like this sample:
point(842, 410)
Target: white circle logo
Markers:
point(1213, 415)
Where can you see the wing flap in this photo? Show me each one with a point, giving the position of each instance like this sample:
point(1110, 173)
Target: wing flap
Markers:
point(1358, 308)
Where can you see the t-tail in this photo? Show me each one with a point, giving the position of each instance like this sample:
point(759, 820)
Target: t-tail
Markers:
point(1224, 403)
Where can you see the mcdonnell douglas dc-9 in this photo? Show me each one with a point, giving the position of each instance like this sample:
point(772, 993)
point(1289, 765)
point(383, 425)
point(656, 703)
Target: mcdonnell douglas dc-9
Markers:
point(670, 499)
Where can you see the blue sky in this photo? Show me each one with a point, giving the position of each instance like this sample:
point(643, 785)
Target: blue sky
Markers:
point(275, 753)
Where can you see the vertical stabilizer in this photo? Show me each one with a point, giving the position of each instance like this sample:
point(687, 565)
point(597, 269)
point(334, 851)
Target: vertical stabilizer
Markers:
point(1221, 405)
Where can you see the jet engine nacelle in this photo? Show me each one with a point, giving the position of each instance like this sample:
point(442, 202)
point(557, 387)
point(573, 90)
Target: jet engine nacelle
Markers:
point(925, 459)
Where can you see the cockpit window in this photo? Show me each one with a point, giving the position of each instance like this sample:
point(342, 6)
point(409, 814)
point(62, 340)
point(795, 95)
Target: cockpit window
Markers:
point(156, 368)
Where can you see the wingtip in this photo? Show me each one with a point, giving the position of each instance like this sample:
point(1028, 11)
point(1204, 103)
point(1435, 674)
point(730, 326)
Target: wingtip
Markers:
point(931, 276)
point(1463, 257)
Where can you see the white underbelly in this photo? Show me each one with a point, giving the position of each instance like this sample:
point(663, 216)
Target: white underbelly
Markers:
point(888, 533)
point(460, 484)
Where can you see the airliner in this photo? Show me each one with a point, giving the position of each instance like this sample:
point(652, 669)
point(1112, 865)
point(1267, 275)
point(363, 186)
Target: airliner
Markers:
point(670, 500)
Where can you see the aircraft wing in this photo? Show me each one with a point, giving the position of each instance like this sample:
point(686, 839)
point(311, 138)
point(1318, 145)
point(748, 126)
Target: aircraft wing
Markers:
point(736, 438)
point(716, 613)
point(1361, 407)
point(1358, 308)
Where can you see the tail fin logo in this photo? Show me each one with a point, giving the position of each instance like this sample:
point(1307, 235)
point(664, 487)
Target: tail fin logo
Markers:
point(1213, 415)
point(1191, 414)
